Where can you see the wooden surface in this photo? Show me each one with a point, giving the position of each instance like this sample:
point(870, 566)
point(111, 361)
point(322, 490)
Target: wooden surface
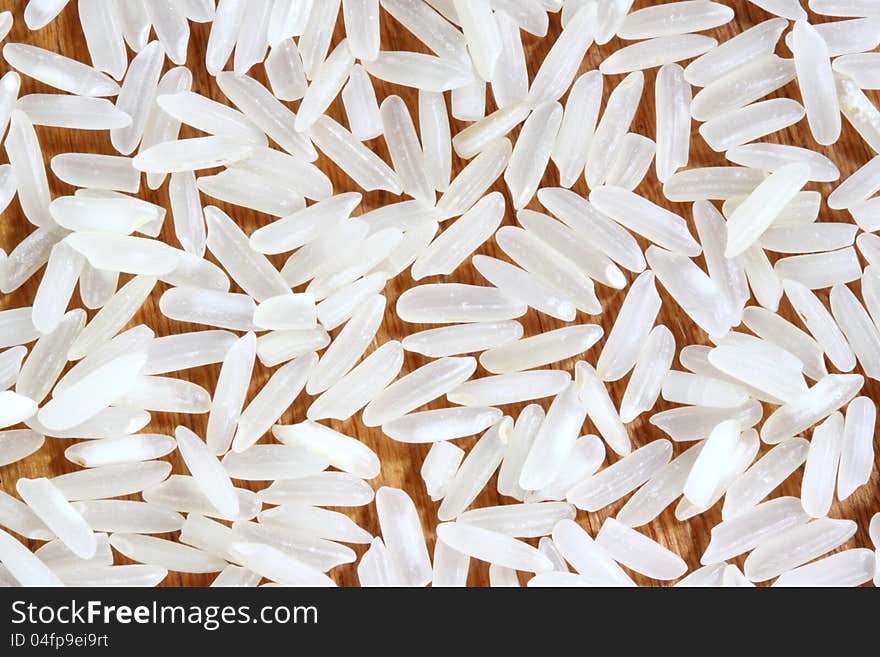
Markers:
point(401, 463)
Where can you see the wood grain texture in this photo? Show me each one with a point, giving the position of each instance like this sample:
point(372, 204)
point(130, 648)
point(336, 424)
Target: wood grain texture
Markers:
point(401, 463)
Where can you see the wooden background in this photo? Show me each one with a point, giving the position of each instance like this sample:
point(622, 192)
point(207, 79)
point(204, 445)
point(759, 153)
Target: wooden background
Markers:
point(400, 462)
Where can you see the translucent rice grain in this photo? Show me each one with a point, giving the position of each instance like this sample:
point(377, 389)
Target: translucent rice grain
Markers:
point(430, 28)
point(663, 488)
point(561, 62)
point(103, 35)
point(696, 422)
point(605, 234)
point(140, 83)
point(532, 152)
point(252, 271)
point(25, 568)
point(97, 171)
point(402, 533)
point(128, 517)
point(439, 467)
point(18, 444)
point(776, 156)
point(414, 389)
point(672, 100)
point(182, 493)
point(638, 552)
point(509, 388)
point(609, 18)
point(108, 423)
point(365, 167)
point(171, 27)
point(58, 71)
point(15, 408)
point(122, 449)
point(166, 554)
point(209, 116)
point(820, 471)
point(361, 385)
point(16, 516)
point(808, 238)
point(510, 82)
point(696, 293)
point(634, 321)
point(659, 51)
point(134, 23)
point(542, 349)
point(272, 462)
point(764, 281)
point(652, 364)
point(461, 239)
point(821, 325)
point(576, 129)
point(735, 52)
point(752, 527)
point(857, 326)
point(251, 44)
point(816, 82)
point(72, 112)
point(496, 548)
point(273, 399)
point(331, 525)
point(587, 558)
point(52, 508)
point(267, 113)
point(114, 315)
point(674, 18)
point(471, 182)
point(475, 471)
point(743, 455)
point(224, 31)
point(207, 472)
point(111, 480)
point(795, 546)
point(746, 124)
point(523, 286)
point(406, 153)
point(462, 339)
point(641, 216)
point(712, 463)
point(39, 13)
point(554, 440)
point(820, 270)
point(844, 7)
point(861, 67)
point(25, 156)
point(774, 329)
point(305, 225)
point(324, 489)
point(284, 71)
point(376, 568)
point(556, 269)
point(825, 397)
point(754, 80)
point(613, 126)
point(517, 449)
point(697, 390)
point(601, 409)
point(614, 482)
point(481, 33)
point(848, 568)
point(857, 451)
point(861, 113)
point(322, 444)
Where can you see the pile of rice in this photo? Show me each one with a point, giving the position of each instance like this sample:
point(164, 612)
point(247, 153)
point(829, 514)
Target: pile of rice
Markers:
point(468, 273)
